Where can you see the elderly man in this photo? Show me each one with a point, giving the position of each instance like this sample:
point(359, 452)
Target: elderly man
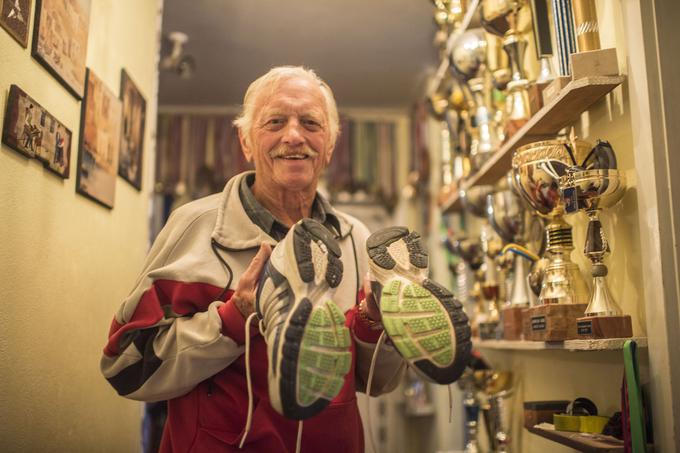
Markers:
point(185, 334)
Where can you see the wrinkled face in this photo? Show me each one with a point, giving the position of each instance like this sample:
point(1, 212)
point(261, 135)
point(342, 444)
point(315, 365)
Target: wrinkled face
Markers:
point(289, 140)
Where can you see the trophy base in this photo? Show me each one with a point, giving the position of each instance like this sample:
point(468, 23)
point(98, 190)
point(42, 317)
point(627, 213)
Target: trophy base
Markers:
point(554, 322)
point(597, 327)
point(512, 323)
point(593, 63)
point(487, 330)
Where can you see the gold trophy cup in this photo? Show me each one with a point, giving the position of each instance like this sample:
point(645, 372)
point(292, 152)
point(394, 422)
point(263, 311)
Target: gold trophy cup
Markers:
point(537, 168)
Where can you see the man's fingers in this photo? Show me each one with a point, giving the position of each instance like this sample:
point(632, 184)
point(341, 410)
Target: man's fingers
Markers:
point(252, 273)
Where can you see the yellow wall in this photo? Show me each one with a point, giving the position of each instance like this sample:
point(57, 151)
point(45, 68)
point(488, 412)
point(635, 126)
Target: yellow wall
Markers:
point(66, 262)
point(552, 375)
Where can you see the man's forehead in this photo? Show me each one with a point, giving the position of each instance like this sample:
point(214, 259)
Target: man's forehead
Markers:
point(292, 94)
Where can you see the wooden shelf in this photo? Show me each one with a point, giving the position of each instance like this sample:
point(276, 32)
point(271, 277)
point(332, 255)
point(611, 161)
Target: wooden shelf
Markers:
point(608, 344)
point(588, 443)
point(575, 98)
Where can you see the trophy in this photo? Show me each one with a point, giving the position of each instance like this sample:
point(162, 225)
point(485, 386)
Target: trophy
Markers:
point(587, 28)
point(500, 17)
point(544, 49)
point(495, 392)
point(509, 218)
point(471, 407)
point(470, 250)
point(591, 191)
point(537, 168)
point(467, 63)
point(474, 200)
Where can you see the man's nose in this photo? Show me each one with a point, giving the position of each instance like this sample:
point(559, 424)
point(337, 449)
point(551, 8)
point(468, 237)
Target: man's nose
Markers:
point(293, 133)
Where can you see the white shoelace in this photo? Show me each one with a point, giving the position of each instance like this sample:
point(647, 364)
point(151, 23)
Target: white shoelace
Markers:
point(249, 386)
point(371, 370)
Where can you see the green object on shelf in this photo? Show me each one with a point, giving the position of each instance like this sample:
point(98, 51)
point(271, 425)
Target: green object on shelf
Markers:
point(637, 422)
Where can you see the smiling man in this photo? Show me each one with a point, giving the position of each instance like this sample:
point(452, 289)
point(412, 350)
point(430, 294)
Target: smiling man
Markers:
point(181, 334)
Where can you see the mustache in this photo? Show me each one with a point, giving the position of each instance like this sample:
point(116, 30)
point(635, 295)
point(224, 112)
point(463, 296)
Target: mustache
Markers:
point(285, 150)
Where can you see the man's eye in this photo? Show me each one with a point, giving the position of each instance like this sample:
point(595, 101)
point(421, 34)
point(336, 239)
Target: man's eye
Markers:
point(311, 123)
point(274, 123)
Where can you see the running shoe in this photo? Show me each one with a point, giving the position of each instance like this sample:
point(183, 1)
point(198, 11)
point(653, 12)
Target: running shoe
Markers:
point(426, 324)
point(308, 345)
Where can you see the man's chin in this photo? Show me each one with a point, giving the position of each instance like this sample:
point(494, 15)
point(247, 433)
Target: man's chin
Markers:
point(294, 181)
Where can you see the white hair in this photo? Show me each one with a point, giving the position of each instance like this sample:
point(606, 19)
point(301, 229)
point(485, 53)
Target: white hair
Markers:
point(244, 121)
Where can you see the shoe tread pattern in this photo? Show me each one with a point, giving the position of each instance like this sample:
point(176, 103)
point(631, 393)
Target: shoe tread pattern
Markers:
point(418, 320)
point(315, 360)
point(378, 242)
point(306, 232)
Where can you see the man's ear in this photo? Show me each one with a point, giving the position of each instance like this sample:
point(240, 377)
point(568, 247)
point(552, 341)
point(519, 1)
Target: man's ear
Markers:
point(329, 154)
point(245, 146)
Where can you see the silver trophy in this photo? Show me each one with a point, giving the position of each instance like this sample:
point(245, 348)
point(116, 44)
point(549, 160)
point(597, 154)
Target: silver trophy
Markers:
point(474, 200)
point(591, 191)
point(468, 61)
point(510, 219)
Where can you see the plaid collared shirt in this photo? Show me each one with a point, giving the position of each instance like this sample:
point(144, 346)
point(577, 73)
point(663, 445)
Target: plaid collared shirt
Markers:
point(322, 212)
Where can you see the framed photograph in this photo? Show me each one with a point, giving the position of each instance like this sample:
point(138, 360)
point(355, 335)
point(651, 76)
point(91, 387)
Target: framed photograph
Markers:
point(99, 142)
point(60, 40)
point(132, 133)
point(15, 16)
point(34, 132)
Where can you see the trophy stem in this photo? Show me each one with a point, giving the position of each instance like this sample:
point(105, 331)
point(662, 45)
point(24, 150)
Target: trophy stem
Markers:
point(471, 406)
point(546, 73)
point(519, 297)
point(515, 47)
point(562, 282)
point(500, 416)
point(486, 141)
point(596, 248)
point(517, 101)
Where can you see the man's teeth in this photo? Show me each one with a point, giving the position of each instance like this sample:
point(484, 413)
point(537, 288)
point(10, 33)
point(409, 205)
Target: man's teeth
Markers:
point(295, 156)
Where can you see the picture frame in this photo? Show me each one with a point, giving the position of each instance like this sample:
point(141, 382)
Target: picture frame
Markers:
point(62, 54)
point(32, 131)
point(133, 122)
point(15, 18)
point(99, 142)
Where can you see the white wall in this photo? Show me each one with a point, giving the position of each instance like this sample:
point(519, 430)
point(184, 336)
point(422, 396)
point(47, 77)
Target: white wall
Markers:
point(66, 262)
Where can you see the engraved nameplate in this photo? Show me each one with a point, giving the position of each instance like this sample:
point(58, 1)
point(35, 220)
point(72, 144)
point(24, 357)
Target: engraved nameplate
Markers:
point(584, 327)
point(538, 323)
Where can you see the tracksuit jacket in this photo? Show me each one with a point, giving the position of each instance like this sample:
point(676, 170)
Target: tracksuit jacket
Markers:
point(179, 337)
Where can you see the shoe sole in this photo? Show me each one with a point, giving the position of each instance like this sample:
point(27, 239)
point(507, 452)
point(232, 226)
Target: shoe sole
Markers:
point(418, 314)
point(313, 342)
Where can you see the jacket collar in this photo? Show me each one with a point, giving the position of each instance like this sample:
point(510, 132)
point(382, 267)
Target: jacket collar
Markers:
point(234, 229)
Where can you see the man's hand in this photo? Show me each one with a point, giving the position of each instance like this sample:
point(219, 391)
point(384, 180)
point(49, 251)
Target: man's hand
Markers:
point(372, 309)
point(246, 288)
